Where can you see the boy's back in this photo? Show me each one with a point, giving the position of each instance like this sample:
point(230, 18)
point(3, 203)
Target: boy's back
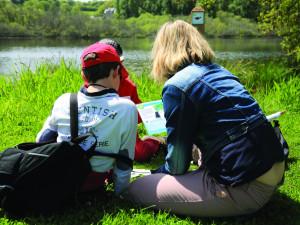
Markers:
point(100, 110)
point(110, 117)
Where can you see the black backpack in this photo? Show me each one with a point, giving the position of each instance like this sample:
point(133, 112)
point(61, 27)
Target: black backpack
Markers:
point(41, 178)
point(45, 177)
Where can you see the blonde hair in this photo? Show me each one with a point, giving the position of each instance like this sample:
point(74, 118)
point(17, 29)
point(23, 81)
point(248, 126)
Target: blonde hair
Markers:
point(178, 44)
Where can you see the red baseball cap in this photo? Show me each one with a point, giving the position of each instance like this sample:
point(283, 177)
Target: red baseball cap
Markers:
point(101, 53)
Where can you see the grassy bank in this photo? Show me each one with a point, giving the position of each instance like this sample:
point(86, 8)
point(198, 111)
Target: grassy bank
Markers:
point(27, 100)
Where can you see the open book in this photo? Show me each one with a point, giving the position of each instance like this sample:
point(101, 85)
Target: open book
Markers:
point(152, 114)
point(140, 172)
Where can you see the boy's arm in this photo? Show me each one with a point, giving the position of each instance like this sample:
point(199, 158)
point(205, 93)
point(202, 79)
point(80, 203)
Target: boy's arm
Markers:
point(128, 89)
point(49, 130)
point(121, 170)
point(46, 133)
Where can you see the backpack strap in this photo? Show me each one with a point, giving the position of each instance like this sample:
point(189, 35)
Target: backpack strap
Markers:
point(77, 139)
point(73, 115)
point(119, 158)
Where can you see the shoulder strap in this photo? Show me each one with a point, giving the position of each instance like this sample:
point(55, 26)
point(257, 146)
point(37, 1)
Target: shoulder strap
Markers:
point(76, 139)
point(118, 157)
point(73, 115)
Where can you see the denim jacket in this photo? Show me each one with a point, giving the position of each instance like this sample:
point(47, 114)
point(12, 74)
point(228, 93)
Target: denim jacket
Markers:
point(206, 105)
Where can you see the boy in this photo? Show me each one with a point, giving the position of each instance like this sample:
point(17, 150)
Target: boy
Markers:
point(146, 147)
point(112, 119)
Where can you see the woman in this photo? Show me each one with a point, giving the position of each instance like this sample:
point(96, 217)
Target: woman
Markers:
point(205, 105)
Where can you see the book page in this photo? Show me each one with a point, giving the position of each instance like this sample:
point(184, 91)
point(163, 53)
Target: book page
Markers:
point(152, 114)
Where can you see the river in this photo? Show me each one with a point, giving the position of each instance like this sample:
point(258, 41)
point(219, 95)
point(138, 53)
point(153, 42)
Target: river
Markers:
point(16, 54)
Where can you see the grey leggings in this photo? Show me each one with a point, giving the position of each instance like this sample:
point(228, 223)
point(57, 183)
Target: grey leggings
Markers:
point(198, 194)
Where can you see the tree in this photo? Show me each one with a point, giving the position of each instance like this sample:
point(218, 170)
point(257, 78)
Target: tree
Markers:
point(211, 6)
point(167, 6)
point(183, 7)
point(17, 1)
point(129, 8)
point(152, 6)
point(178, 7)
point(283, 18)
point(105, 5)
point(245, 8)
point(133, 8)
point(7, 12)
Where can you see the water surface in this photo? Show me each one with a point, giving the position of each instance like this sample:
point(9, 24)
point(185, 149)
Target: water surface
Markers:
point(19, 53)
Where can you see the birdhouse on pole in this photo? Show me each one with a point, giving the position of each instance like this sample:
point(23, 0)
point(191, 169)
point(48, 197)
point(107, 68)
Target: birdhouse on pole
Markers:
point(198, 19)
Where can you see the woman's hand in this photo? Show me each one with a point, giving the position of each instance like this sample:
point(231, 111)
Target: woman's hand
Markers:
point(161, 169)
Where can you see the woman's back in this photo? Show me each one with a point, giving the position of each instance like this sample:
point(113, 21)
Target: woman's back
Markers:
point(222, 115)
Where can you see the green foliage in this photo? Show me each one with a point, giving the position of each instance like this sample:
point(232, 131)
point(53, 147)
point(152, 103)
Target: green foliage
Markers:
point(105, 5)
point(155, 7)
point(260, 76)
point(133, 8)
point(225, 25)
point(90, 5)
point(31, 96)
point(14, 29)
point(66, 19)
point(17, 1)
point(228, 25)
point(178, 7)
point(146, 24)
point(210, 6)
point(283, 17)
point(129, 8)
point(243, 8)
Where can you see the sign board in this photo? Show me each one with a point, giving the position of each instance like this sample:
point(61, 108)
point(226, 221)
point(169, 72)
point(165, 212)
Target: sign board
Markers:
point(197, 18)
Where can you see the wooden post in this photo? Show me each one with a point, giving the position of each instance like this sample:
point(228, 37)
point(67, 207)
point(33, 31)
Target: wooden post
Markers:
point(198, 19)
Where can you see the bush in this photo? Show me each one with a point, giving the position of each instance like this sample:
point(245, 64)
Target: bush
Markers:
point(282, 17)
point(229, 25)
point(13, 30)
point(146, 24)
point(66, 20)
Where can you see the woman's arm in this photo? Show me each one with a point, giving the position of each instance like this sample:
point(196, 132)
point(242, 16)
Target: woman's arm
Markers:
point(180, 115)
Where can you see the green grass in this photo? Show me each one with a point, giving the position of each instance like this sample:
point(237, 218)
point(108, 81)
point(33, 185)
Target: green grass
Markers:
point(26, 101)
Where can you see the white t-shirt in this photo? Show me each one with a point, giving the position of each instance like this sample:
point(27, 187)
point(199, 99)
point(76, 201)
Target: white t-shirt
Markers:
point(111, 118)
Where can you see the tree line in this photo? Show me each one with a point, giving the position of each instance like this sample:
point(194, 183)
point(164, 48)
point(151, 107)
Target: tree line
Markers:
point(73, 19)
point(133, 8)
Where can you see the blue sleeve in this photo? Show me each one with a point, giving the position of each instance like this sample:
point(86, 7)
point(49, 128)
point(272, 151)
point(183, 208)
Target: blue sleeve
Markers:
point(121, 180)
point(128, 129)
point(49, 130)
point(46, 136)
point(179, 113)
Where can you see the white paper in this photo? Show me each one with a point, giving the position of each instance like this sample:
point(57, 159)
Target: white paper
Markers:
point(152, 115)
point(140, 172)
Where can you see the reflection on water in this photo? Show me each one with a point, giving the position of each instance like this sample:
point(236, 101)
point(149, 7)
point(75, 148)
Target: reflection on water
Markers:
point(15, 54)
